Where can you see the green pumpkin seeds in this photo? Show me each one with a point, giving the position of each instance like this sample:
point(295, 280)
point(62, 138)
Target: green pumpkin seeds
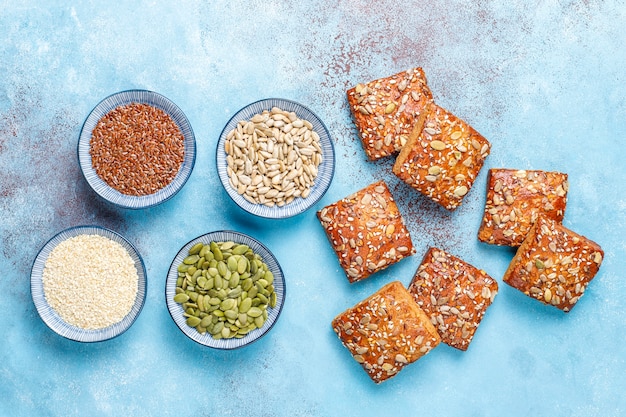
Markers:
point(181, 298)
point(191, 259)
point(225, 289)
point(195, 249)
point(193, 321)
point(254, 312)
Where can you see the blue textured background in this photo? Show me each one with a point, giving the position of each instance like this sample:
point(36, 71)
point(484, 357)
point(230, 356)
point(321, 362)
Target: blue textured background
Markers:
point(542, 80)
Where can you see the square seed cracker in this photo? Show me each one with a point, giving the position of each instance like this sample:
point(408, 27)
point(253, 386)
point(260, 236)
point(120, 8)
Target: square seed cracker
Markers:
point(367, 231)
point(454, 294)
point(442, 157)
point(385, 110)
point(554, 264)
point(515, 198)
point(386, 331)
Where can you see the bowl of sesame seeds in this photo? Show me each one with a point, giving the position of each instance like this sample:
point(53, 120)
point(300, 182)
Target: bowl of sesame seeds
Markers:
point(136, 149)
point(275, 158)
point(88, 284)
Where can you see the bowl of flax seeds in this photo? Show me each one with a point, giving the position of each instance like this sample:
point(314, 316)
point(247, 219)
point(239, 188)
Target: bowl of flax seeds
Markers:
point(136, 149)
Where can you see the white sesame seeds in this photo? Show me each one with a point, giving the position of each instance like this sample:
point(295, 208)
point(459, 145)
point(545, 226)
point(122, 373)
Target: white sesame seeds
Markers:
point(90, 281)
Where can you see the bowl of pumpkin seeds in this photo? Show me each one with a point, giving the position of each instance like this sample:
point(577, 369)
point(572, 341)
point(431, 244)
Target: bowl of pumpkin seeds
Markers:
point(275, 158)
point(225, 289)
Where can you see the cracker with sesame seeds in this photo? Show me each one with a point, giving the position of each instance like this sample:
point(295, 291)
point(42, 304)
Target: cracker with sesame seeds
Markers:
point(367, 231)
point(442, 157)
point(386, 331)
point(454, 294)
point(385, 110)
point(515, 198)
point(554, 264)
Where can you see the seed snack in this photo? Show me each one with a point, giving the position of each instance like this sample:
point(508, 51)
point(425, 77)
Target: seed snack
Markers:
point(385, 110)
point(515, 198)
point(367, 231)
point(554, 264)
point(386, 331)
point(454, 294)
point(442, 157)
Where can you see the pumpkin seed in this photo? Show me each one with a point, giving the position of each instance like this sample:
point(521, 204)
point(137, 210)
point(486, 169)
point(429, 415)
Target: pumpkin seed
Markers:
point(217, 253)
point(245, 305)
point(455, 135)
point(437, 145)
point(195, 249)
point(222, 268)
point(228, 304)
point(273, 300)
point(191, 259)
point(240, 249)
point(193, 321)
point(225, 289)
point(263, 298)
point(206, 249)
point(232, 263)
point(181, 298)
point(243, 264)
point(255, 312)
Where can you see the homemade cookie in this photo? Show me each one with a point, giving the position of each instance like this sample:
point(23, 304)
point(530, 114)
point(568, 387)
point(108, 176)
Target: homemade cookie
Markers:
point(442, 157)
point(454, 294)
point(366, 231)
point(515, 198)
point(554, 264)
point(385, 110)
point(386, 332)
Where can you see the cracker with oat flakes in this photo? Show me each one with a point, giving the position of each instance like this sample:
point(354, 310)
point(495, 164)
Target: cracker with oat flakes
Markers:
point(454, 294)
point(385, 110)
point(554, 264)
point(386, 331)
point(442, 157)
point(515, 198)
point(367, 231)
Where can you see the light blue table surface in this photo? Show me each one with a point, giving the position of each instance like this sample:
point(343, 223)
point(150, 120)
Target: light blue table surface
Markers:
point(542, 80)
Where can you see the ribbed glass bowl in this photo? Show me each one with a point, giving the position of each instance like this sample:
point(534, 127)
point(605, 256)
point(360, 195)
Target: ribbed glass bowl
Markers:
point(176, 310)
point(52, 319)
point(109, 193)
point(325, 173)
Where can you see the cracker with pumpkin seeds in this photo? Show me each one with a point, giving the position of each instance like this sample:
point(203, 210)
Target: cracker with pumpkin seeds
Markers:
point(554, 264)
point(386, 331)
point(454, 294)
point(367, 231)
point(385, 110)
point(442, 157)
point(515, 198)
